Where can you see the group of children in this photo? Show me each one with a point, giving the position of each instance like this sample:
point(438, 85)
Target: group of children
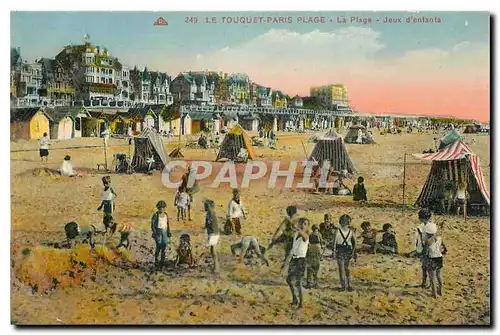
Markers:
point(388, 244)
point(304, 246)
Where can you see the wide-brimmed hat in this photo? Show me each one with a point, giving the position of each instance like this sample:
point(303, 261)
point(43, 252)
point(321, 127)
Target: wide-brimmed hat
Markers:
point(431, 228)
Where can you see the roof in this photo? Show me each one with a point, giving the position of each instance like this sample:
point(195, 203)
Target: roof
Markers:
point(263, 90)
point(59, 113)
point(201, 116)
point(145, 74)
point(198, 77)
point(15, 57)
point(26, 114)
point(48, 64)
point(140, 112)
point(455, 150)
point(451, 137)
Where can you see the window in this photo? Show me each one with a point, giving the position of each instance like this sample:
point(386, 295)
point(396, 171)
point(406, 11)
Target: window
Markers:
point(110, 81)
point(117, 83)
point(110, 71)
point(103, 80)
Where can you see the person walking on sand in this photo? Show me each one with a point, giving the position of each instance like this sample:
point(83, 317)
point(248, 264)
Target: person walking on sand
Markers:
point(160, 228)
point(44, 148)
point(435, 251)
point(344, 250)
point(212, 227)
point(236, 211)
point(297, 266)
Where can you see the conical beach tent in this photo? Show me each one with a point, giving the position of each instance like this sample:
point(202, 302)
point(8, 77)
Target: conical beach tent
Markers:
point(449, 138)
point(354, 132)
point(470, 129)
point(148, 151)
point(458, 163)
point(235, 139)
point(331, 133)
point(332, 149)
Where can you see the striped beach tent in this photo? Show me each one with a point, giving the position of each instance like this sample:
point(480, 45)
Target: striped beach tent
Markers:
point(332, 149)
point(456, 162)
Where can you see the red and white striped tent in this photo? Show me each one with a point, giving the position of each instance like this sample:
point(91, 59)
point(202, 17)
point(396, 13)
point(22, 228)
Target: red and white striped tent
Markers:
point(454, 162)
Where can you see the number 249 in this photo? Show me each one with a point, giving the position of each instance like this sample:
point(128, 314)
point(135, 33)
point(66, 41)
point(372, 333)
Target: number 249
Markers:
point(191, 19)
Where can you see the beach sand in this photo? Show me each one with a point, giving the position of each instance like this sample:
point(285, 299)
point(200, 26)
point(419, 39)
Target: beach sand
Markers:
point(110, 287)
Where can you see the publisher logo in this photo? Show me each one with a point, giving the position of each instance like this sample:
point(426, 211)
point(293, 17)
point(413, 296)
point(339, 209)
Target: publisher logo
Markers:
point(161, 22)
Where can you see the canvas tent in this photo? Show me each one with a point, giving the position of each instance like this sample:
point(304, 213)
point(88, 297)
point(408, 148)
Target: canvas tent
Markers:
point(235, 139)
point(148, 151)
point(354, 132)
point(331, 133)
point(449, 138)
point(332, 149)
point(470, 129)
point(456, 162)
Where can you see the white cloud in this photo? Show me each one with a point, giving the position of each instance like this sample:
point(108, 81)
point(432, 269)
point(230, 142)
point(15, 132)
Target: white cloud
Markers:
point(287, 59)
point(282, 48)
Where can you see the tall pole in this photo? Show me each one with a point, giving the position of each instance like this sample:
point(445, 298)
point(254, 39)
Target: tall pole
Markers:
point(404, 181)
point(105, 153)
point(467, 172)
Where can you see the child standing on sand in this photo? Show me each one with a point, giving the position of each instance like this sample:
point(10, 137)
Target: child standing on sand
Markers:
point(107, 202)
point(181, 203)
point(297, 265)
point(425, 216)
point(435, 251)
point(344, 249)
point(313, 257)
point(160, 228)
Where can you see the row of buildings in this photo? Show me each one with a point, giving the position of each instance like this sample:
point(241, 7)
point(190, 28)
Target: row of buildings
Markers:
point(88, 73)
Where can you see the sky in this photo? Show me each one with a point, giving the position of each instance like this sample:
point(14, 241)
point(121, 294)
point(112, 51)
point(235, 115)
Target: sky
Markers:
point(405, 68)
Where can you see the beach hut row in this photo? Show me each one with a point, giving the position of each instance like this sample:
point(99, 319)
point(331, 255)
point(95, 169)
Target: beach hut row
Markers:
point(71, 122)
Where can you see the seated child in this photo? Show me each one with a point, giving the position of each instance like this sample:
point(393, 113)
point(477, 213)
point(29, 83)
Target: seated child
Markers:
point(369, 236)
point(359, 191)
point(388, 245)
point(66, 168)
point(184, 251)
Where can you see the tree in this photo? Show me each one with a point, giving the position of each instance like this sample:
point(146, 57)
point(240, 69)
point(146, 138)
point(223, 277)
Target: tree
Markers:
point(221, 90)
point(135, 83)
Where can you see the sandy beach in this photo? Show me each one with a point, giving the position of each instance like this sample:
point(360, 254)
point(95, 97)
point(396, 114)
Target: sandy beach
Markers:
point(51, 286)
